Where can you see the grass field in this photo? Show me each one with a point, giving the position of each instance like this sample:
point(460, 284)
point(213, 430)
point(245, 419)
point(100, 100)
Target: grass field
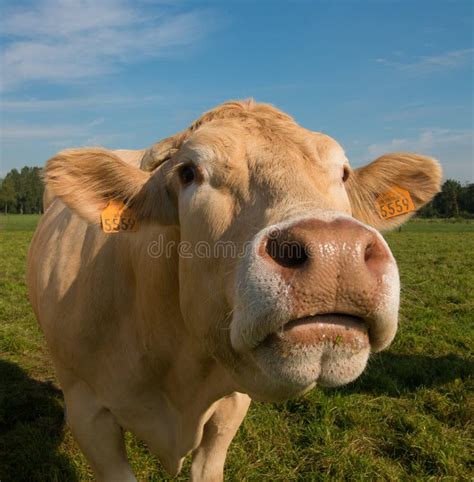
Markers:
point(408, 417)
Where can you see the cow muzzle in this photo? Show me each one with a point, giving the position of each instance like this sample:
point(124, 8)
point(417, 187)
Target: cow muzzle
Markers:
point(317, 296)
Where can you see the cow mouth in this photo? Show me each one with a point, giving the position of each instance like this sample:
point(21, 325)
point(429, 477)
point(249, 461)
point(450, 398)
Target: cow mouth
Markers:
point(335, 329)
point(327, 349)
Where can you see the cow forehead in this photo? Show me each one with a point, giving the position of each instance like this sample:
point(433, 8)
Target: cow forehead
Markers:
point(247, 123)
point(233, 144)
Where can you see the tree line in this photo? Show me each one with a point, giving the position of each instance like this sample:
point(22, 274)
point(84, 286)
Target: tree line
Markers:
point(21, 192)
point(455, 200)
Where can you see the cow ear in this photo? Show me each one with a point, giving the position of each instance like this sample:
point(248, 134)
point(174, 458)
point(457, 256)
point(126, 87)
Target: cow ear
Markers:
point(162, 151)
point(393, 175)
point(86, 180)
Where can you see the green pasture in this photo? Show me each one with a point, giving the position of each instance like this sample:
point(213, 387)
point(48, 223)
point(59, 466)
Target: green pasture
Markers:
point(409, 417)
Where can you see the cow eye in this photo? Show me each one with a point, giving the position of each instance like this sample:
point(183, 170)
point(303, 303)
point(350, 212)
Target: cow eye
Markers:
point(187, 174)
point(345, 174)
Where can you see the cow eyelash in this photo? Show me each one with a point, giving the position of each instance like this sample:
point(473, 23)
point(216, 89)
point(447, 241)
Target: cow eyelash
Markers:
point(345, 174)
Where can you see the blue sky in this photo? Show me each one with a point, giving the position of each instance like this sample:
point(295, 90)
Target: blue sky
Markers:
point(379, 76)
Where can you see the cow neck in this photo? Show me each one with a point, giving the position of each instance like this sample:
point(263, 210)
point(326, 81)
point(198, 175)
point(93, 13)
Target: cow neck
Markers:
point(191, 375)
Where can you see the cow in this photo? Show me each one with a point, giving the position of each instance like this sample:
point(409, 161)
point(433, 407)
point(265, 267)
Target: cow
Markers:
point(239, 259)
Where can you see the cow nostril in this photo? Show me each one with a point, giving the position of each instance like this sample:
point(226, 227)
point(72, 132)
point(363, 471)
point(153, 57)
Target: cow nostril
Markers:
point(376, 255)
point(368, 251)
point(289, 254)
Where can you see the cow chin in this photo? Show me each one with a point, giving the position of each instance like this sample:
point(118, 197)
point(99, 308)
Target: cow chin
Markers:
point(328, 350)
point(301, 368)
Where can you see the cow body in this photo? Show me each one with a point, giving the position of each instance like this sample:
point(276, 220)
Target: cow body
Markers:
point(116, 351)
point(171, 347)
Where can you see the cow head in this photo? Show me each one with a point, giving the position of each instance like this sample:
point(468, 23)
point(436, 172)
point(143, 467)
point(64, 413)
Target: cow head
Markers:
point(286, 279)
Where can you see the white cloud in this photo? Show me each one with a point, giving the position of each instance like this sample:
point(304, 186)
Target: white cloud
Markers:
point(52, 133)
point(454, 148)
point(35, 105)
point(445, 61)
point(430, 110)
point(428, 140)
point(432, 63)
point(59, 18)
point(65, 40)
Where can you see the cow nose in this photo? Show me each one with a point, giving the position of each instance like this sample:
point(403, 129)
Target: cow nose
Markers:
point(335, 266)
point(317, 245)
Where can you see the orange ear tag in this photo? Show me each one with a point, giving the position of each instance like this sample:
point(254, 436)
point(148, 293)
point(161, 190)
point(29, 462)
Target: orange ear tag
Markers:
point(116, 217)
point(395, 202)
